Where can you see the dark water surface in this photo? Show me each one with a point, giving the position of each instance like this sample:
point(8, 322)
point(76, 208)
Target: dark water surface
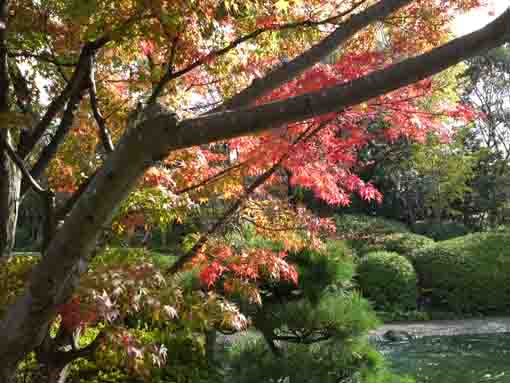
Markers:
point(449, 359)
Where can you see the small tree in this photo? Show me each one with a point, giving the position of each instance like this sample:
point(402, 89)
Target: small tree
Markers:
point(309, 331)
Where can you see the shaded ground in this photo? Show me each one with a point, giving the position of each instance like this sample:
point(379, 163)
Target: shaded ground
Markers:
point(487, 325)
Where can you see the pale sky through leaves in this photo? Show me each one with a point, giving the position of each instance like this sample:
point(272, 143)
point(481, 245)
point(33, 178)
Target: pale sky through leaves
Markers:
point(478, 18)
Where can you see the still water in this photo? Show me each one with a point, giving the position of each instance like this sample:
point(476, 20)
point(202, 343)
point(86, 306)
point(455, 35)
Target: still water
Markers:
point(449, 359)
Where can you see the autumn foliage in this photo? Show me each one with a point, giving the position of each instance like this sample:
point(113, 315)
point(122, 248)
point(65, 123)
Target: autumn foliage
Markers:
point(190, 57)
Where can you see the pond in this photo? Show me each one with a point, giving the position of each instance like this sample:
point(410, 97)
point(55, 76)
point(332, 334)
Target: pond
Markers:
point(449, 359)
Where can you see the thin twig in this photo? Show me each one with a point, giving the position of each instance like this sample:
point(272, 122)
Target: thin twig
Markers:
point(21, 165)
point(304, 136)
point(213, 178)
point(170, 74)
point(106, 137)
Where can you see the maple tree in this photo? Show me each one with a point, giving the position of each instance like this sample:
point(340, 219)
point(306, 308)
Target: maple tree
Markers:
point(314, 116)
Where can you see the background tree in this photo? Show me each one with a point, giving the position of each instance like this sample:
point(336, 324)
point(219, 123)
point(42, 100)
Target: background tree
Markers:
point(487, 79)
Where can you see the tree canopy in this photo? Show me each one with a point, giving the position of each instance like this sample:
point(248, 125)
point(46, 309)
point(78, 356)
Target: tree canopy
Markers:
point(172, 97)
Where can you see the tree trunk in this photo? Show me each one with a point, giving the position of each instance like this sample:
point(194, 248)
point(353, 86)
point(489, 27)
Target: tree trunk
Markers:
point(10, 180)
point(54, 373)
point(210, 346)
point(53, 367)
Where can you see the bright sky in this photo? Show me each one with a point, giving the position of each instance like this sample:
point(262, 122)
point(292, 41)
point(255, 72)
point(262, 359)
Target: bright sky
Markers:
point(478, 18)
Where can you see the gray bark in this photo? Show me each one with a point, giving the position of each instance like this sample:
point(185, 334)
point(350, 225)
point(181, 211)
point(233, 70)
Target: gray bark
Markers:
point(9, 174)
point(10, 180)
point(55, 277)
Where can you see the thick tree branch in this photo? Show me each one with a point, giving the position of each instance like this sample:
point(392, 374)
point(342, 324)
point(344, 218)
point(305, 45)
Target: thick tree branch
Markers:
point(75, 86)
point(47, 196)
point(69, 204)
point(230, 124)
point(295, 67)
point(50, 150)
point(22, 91)
point(4, 67)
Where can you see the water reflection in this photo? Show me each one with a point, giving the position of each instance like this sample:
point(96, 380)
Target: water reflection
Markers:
point(448, 359)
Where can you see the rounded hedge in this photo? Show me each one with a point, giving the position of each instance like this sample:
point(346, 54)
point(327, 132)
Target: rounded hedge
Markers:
point(388, 280)
point(365, 233)
point(441, 231)
point(469, 274)
point(406, 243)
point(358, 225)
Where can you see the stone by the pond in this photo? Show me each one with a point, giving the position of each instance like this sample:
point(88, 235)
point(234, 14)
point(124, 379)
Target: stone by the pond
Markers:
point(418, 329)
point(397, 336)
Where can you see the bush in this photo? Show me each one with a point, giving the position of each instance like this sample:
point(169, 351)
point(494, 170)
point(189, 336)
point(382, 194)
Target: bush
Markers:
point(352, 361)
point(365, 233)
point(350, 225)
point(441, 231)
point(469, 274)
point(406, 243)
point(389, 280)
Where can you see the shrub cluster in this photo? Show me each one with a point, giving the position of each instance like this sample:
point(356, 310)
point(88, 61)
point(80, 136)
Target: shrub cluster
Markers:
point(441, 231)
point(469, 274)
point(364, 225)
point(389, 280)
point(406, 243)
point(365, 233)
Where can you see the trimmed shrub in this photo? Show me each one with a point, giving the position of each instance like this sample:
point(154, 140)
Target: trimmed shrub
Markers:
point(441, 231)
point(365, 233)
point(388, 280)
point(469, 274)
point(363, 225)
point(406, 243)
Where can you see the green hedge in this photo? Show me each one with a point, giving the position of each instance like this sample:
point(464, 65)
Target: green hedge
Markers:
point(388, 280)
point(364, 225)
point(469, 274)
point(366, 233)
point(441, 231)
point(406, 243)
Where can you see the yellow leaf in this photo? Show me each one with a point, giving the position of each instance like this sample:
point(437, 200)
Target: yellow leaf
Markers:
point(282, 5)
